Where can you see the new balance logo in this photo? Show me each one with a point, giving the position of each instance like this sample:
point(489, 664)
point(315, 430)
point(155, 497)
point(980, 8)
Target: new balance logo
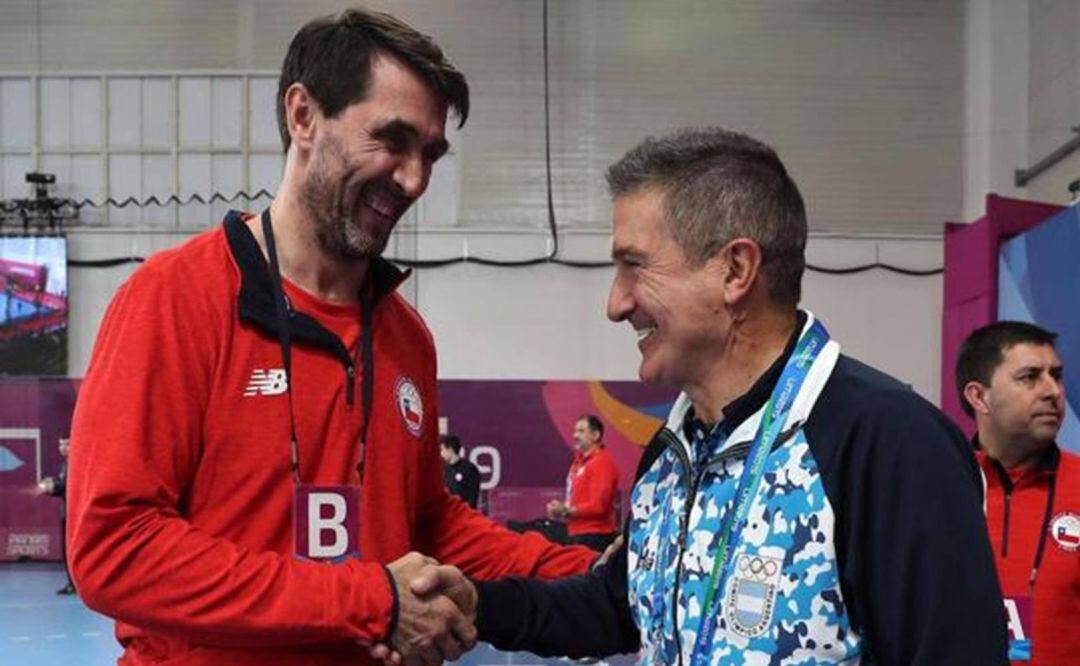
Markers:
point(266, 382)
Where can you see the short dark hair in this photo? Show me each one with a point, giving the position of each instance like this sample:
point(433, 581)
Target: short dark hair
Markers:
point(594, 423)
point(452, 442)
point(332, 56)
point(720, 185)
point(984, 350)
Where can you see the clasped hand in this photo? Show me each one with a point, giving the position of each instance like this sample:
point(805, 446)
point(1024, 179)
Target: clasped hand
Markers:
point(557, 510)
point(436, 613)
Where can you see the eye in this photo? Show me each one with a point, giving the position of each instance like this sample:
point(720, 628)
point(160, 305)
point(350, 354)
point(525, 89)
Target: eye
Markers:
point(433, 155)
point(395, 142)
point(394, 139)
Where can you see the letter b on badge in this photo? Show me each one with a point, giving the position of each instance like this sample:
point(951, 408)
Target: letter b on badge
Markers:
point(326, 522)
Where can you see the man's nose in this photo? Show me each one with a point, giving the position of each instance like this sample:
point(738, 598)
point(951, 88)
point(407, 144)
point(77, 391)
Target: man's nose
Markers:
point(620, 301)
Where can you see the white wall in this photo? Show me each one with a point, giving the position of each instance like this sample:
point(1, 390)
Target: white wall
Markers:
point(864, 100)
point(548, 322)
point(995, 100)
point(1054, 96)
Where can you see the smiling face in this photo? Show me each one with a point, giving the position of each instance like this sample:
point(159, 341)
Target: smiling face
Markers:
point(675, 308)
point(1025, 401)
point(372, 161)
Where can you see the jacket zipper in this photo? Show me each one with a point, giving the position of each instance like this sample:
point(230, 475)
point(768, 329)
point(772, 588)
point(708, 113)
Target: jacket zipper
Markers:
point(1005, 527)
point(672, 442)
point(1007, 486)
point(350, 383)
point(693, 483)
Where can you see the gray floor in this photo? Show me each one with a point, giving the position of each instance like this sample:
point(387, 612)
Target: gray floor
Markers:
point(39, 628)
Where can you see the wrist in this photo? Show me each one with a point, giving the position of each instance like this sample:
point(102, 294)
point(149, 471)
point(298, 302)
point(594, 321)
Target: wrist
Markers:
point(395, 605)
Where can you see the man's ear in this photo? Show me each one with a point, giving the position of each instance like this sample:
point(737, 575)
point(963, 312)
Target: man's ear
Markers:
point(742, 259)
point(976, 396)
point(302, 114)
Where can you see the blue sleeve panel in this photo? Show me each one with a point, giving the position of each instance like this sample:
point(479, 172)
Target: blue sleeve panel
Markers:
point(911, 542)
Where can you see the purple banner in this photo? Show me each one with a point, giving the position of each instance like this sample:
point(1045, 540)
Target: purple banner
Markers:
point(34, 414)
point(518, 433)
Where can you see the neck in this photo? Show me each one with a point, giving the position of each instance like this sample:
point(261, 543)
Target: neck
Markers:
point(454, 459)
point(752, 345)
point(1011, 454)
point(303, 262)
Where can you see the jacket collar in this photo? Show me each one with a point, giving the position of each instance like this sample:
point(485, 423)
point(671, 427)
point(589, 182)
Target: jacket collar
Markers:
point(743, 414)
point(590, 454)
point(256, 302)
point(744, 406)
point(1046, 465)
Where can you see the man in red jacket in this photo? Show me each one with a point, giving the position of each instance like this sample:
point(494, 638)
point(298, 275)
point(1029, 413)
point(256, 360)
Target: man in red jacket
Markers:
point(591, 488)
point(1010, 378)
point(255, 460)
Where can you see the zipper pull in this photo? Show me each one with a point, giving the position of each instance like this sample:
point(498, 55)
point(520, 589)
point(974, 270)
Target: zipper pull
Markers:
point(350, 383)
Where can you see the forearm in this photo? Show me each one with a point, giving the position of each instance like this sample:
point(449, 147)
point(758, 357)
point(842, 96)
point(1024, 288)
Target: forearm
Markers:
point(158, 572)
point(586, 510)
point(582, 616)
point(485, 550)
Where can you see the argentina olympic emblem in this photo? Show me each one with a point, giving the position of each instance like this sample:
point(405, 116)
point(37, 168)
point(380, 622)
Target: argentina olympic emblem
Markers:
point(751, 597)
point(410, 405)
point(1065, 528)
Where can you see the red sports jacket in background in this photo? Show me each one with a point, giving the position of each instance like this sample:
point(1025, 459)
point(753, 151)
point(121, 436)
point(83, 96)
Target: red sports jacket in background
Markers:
point(593, 481)
point(1016, 505)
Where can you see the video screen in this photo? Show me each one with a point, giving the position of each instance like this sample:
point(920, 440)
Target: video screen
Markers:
point(33, 305)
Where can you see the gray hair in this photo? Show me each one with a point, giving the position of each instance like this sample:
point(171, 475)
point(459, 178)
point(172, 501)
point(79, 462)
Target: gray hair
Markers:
point(721, 185)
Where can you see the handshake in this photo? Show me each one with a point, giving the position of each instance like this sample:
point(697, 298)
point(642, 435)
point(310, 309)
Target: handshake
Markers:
point(436, 614)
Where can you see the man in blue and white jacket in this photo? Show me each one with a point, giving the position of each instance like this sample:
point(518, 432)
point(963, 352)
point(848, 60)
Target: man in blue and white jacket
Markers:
point(797, 507)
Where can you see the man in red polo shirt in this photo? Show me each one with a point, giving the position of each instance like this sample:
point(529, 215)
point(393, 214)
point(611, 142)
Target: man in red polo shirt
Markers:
point(1010, 378)
point(591, 487)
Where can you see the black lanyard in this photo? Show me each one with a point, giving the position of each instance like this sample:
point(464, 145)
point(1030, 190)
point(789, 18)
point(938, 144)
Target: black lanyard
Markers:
point(366, 356)
point(1045, 528)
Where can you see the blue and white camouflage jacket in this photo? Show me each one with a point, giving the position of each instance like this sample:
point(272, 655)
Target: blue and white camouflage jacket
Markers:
point(865, 541)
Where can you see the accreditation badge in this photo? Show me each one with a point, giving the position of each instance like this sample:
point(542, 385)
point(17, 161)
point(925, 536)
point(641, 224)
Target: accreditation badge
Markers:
point(1018, 615)
point(326, 522)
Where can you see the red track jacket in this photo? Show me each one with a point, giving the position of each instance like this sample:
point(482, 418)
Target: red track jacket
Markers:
point(1015, 514)
point(593, 482)
point(180, 488)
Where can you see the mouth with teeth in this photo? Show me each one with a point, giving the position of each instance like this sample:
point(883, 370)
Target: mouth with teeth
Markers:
point(644, 333)
point(384, 204)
